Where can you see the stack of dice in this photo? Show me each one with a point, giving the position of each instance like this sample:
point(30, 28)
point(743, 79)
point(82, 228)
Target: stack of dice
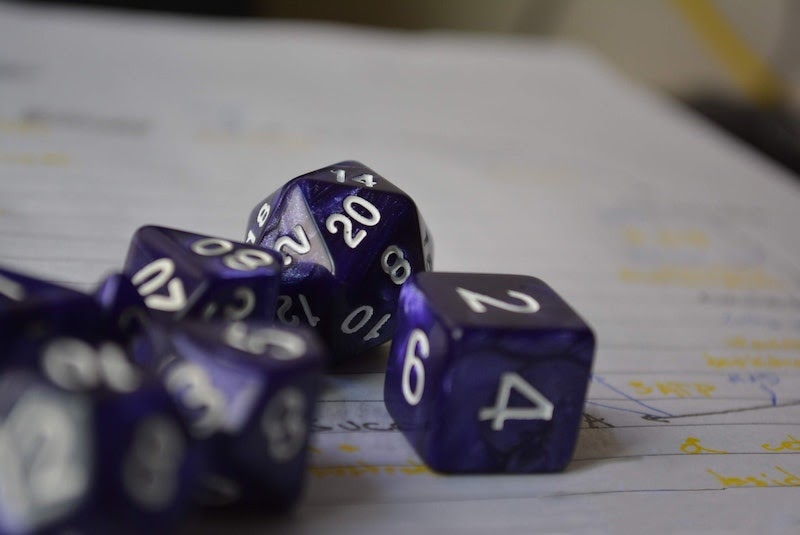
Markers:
point(191, 376)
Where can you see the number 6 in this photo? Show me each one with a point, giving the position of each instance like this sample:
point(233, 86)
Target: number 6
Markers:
point(419, 339)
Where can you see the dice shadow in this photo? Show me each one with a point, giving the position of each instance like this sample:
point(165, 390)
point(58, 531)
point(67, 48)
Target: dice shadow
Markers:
point(373, 360)
point(597, 444)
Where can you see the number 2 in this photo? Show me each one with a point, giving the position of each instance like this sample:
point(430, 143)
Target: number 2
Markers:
point(477, 302)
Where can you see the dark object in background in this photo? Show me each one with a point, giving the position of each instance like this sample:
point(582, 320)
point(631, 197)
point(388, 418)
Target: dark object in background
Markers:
point(230, 8)
point(773, 131)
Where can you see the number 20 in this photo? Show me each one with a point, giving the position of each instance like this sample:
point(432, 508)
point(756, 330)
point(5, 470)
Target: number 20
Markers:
point(373, 218)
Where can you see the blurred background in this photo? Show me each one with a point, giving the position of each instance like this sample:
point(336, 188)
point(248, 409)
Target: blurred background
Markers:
point(736, 62)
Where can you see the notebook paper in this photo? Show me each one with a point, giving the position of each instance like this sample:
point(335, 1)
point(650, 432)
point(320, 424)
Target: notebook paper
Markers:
point(678, 246)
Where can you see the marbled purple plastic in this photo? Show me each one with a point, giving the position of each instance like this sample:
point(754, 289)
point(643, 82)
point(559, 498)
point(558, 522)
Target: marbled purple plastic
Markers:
point(242, 470)
point(551, 349)
point(333, 278)
point(108, 428)
point(210, 286)
point(123, 309)
point(33, 310)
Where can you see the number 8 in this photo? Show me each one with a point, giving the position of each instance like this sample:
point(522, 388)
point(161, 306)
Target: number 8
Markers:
point(400, 269)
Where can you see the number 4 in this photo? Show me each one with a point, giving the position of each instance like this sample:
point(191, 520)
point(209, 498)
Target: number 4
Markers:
point(501, 411)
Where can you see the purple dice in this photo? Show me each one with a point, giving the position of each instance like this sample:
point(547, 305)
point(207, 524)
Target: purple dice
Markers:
point(90, 445)
point(180, 275)
point(123, 309)
point(488, 373)
point(33, 310)
point(350, 239)
point(248, 390)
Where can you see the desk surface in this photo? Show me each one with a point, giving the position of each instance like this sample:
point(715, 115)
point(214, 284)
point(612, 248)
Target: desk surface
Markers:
point(678, 245)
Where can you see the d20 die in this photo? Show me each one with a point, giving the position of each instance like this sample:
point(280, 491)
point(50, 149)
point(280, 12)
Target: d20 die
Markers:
point(248, 389)
point(488, 373)
point(350, 239)
point(90, 445)
point(33, 310)
point(180, 274)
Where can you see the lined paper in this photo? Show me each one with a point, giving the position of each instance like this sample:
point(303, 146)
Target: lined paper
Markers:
point(676, 244)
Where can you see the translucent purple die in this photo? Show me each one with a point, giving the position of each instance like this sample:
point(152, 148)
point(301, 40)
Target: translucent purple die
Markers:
point(185, 275)
point(123, 309)
point(488, 373)
point(248, 389)
point(33, 310)
point(350, 239)
point(90, 445)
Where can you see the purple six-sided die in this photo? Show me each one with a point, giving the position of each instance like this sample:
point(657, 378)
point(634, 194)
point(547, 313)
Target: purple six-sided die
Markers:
point(350, 239)
point(488, 373)
point(90, 444)
point(180, 274)
point(248, 390)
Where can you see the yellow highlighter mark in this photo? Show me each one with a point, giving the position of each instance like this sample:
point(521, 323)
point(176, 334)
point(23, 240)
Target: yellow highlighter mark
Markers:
point(22, 127)
point(692, 446)
point(764, 344)
point(673, 388)
point(779, 478)
point(47, 159)
point(667, 238)
point(766, 361)
point(361, 469)
point(730, 278)
point(790, 444)
point(349, 448)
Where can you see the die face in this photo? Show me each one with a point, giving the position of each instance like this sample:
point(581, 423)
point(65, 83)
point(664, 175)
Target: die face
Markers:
point(32, 310)
point(363, 237)
point(123, 309)
point(411, 394)
point(37, 418)
point(249, 390)
point(89, 456)
point(492, 301)
point(509, 417)
point(180, 274)
point(501, 394)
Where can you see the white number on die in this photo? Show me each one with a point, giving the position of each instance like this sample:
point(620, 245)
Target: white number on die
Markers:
point(191, 385)
point(240, 260)
point(300, 246)
point(365, 178)
point(263, 214)
point(477, 302)
point(394, 264)
point(44, 458)
point(289, 346)
point(358, 318)
point(239, 310)
point(150, 471)
point(153, 277)
point(285, 303)
point(501, 412)
point(372, 218)
point(75, 365)
point(11, 289)
point(283, 423)
point(418, 348)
